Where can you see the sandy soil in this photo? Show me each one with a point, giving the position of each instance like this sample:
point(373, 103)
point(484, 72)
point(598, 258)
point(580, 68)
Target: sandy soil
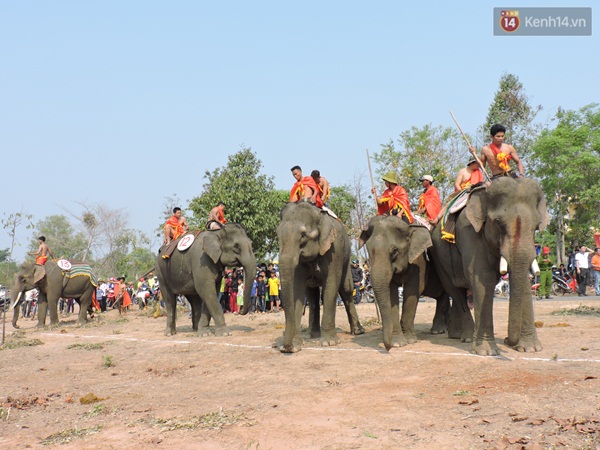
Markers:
point(237, 392)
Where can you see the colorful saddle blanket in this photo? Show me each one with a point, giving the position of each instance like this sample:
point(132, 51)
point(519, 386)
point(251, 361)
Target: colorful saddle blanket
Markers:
point(79, 270)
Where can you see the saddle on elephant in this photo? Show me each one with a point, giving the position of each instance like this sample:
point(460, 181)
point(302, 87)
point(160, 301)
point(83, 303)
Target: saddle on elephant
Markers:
point(455, 205)
point(187, 239)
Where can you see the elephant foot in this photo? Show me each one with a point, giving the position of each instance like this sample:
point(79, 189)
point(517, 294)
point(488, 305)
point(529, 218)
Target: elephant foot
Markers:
point(438, 327)
point(293, 347)
point(398, 340)
point(170, 331)
point(203, 331)
point(16, 326)
point(410, 337)
point(485, 348)
point(222, 331)
point(330, 341)
point(358, 330)
point(525, 345)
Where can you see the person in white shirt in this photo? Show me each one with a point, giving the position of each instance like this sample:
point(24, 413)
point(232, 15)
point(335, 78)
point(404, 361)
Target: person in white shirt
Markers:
point(582, 266)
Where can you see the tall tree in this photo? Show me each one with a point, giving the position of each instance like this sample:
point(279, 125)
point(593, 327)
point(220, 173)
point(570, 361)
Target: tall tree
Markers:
point(437, 151)
point(568, 164)
point(511, 108)
point(250, 200)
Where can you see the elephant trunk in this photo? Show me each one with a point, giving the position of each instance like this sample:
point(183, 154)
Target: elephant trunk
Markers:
point(16, 292)
point(13, 301)
point(249, 271)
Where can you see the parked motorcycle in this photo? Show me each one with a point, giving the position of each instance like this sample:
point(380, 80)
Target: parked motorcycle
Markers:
point(560, 285)
point(502, 289)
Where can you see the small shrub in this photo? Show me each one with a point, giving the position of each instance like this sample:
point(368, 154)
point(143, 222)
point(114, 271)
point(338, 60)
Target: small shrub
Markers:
point(107, 361)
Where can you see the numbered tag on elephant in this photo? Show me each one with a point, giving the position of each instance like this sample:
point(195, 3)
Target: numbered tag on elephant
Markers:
point(185, 242)
point(64, 264)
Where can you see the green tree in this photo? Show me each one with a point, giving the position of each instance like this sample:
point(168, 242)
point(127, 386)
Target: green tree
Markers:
point(62, 238)
point(568, 165)
point(437, 151)
point(250, 200)
point(342, 202)
point(4, 255)
point(511, 108)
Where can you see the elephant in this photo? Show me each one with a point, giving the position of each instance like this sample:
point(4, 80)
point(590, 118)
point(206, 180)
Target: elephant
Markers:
point(397, 253)
point(314, 263)
point(52, 283)
point(196, 273)
point(499, 221)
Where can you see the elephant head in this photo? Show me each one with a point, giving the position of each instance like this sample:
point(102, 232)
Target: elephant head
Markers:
point(508, 212)
point(30, 276)
point(393, 245)
point(231, 246)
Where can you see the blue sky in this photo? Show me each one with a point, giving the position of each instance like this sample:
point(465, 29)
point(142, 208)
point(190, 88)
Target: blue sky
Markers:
point(128, 102)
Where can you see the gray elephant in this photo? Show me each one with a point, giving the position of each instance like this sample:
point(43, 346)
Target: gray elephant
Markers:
point(397, 253)
point(53, 283)
point(499, 220)
point(314, 263)
point(196, 273)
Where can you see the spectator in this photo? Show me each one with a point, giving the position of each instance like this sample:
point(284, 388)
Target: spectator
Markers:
point(596, 269)
point(274, 291)
point(545, 265)
point(260, 291)
point(232, 289)
point(240, 294)
point(357, 279)
point(582, 264)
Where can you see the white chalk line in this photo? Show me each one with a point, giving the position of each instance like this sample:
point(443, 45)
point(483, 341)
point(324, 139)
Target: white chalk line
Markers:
point(328, 349)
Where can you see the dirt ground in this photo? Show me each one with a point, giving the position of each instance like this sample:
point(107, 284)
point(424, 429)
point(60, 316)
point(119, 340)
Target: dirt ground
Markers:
point(149, 391)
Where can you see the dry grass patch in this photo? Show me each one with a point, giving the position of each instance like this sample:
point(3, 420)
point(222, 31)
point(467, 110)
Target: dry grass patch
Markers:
point(216, 420)
point(66, 436)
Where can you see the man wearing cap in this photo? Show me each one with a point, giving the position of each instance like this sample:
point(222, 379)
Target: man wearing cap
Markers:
point(305, 189)
point(429, 201)
point(545, 263)
point(394, 199)
point(468, 176)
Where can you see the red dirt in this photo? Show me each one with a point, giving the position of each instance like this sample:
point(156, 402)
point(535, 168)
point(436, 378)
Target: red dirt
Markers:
point(238, 392)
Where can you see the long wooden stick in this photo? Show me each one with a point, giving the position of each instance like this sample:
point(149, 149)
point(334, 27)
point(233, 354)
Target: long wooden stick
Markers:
point(371, 175)
point(471, 150)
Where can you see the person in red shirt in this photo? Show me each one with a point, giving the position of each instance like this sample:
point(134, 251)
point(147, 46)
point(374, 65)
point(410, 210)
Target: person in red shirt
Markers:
point(305, 189)
point(175, 226)
point(430, 203)
point(394, 199)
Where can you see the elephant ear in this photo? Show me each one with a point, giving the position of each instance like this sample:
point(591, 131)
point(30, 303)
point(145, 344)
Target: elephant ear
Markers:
point(476, 210)
point(419, 242)
point(212, 246)
point(39, 272)
point(327, 234)
point(543, 212)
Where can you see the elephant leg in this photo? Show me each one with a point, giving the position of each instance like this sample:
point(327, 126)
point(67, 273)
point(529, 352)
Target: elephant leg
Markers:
point(208, 294)
point(409, 310)
point(355, 326)
point(328, 334)
point(398, 339)
point(42, 311)
point(313, 299)
point(171, 307)
point(85, 302)
point(442, 314)
point(53, 309)
point(200, 315)
point(484, 342)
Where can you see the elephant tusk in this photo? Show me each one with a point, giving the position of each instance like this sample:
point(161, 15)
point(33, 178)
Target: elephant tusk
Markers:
point(503, 266)
point(16, 302)
point(535, 268)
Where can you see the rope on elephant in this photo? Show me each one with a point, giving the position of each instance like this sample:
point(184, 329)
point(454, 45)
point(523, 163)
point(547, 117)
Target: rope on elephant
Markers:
point(81, 270)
